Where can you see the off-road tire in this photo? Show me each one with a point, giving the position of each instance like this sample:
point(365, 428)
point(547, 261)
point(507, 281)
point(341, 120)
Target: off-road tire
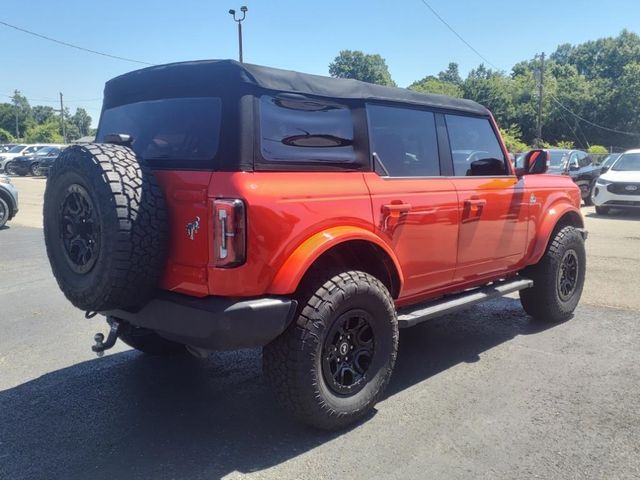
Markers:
point(149, 342)
point(130, 227)
point(5, 213)
point(544, 301)
point(292, 363)
point(602, 210)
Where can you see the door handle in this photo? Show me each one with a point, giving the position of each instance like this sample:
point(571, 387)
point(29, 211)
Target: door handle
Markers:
point(475, 202)
point(396, 209)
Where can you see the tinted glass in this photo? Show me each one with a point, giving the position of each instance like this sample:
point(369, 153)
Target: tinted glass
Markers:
point(404, 140)
point(16, 149)
point(628, 162)
point(305, 130)
point(169, 131)
point(474, 147)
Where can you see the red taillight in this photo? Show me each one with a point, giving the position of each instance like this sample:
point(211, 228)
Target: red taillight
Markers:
point(229, 232)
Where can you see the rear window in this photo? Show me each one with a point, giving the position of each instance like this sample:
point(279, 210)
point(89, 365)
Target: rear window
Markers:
point(305, 131)
point(172, 132)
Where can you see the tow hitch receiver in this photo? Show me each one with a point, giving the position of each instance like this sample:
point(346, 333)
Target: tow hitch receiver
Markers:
point(101, 345)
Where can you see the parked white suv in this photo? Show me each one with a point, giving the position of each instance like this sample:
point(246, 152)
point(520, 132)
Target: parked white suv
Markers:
point(18, 151)
point(619, 187)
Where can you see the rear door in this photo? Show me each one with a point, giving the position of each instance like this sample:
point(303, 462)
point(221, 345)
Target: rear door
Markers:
point(492, 206)
point(414, 209)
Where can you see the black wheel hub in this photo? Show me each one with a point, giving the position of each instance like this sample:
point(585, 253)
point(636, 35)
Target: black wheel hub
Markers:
point(79, 229)
point(348, 352)
point(568, 274)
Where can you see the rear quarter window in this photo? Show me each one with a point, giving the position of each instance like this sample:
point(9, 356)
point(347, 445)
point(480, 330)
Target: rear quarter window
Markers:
point(305, 132)
point(172, 132)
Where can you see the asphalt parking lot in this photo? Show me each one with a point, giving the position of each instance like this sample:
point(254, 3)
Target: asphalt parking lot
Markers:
point(483, 393)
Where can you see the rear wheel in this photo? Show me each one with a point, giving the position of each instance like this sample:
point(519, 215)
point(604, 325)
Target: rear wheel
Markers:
point(602, 210)
point(332, 364)
point(35, 169)
point(558, 278)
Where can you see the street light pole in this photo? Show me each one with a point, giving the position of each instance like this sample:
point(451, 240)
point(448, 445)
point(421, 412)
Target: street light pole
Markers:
point(232, 12)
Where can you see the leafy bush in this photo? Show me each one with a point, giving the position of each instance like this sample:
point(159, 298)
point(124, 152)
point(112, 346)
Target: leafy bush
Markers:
point(6, 137)
point(598, 149)
point(513, 139)
point(45, 133)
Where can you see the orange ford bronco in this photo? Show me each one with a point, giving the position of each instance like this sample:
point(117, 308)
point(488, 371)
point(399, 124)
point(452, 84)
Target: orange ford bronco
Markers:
point(227, 205)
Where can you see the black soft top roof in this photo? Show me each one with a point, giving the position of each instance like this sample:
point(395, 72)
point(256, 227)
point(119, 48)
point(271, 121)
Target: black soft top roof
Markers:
point(219, 77)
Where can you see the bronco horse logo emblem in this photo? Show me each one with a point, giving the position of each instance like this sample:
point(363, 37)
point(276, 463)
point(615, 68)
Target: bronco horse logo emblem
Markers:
point(193, 227)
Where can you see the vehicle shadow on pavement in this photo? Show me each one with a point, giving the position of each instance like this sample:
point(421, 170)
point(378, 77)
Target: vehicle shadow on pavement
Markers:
point(617, 214)
point(133, 416)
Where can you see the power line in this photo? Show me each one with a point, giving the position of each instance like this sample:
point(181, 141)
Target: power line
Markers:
point(590, 122)
point(495, 67)
point(29, 32)
point(457, 34)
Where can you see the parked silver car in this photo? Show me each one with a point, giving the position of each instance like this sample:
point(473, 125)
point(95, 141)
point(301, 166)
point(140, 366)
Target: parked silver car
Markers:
point(8, 200)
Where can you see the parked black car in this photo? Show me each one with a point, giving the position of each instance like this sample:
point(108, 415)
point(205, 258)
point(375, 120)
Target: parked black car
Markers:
point(579, 166)
point(37, 163)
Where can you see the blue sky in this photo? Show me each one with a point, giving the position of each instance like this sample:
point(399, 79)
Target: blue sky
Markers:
point(297, 35)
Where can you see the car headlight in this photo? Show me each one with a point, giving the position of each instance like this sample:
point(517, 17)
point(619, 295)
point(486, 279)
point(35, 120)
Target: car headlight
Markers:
point(602, 183)
point(4, 179)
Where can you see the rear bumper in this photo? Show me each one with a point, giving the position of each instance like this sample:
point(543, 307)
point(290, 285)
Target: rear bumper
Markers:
point(214, 323)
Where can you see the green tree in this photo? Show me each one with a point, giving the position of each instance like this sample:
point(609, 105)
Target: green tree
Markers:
point(82, 121)
point(45, 133)
point(513, 139)
point(42, 114)
point(361, 66)
point(431, 84)
point(451, 75)
point(6, 137)
point(599, 149)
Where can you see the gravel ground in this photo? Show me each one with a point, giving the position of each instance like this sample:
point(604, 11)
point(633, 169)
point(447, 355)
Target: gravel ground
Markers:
point(484, 393)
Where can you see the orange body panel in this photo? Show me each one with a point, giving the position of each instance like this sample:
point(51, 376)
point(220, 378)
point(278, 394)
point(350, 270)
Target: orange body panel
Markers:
point(443, 234)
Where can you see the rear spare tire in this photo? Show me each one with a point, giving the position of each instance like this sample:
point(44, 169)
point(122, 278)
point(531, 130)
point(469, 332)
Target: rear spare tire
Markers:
point(105, 227)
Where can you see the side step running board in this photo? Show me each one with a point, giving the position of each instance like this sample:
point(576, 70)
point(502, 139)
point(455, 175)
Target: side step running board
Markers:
point(408, 317)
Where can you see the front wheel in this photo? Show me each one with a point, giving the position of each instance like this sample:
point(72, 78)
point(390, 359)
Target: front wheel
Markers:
point(35, 169)
point(587, 196)
point(9, 168)
point(4, 212)
point(333, 363)
point(558, 278)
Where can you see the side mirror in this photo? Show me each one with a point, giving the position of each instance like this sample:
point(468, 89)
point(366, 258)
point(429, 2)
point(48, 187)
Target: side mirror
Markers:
point(604, 169)
point(574, 167)
point(535, 162)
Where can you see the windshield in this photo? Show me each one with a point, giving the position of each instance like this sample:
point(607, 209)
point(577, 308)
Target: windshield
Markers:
point(610, 159)
point(628, 162)
point(17, 149)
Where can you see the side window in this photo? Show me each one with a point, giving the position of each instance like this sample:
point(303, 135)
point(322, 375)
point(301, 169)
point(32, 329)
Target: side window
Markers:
point(305, 131)
point(474, 147)
point(584, 160)
point(404, 140)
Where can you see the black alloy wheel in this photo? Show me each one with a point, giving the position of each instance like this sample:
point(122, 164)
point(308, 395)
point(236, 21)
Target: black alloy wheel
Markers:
point(348, 350)
point(568, 274)
point(79, 229)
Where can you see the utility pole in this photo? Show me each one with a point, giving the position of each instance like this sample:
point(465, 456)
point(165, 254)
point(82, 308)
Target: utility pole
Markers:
point(64, 132)
point(540, 98)
point(17, 109)
point(232, 12)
